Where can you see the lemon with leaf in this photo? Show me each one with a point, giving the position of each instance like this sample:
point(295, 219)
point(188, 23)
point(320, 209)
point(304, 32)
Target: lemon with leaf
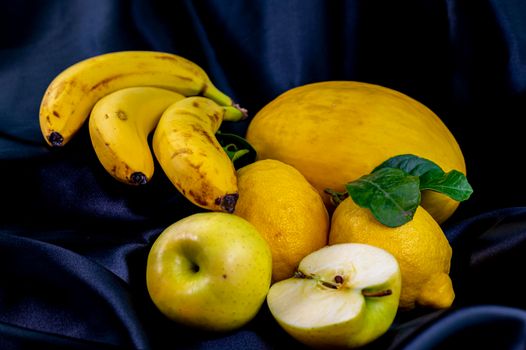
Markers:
point(419, 245)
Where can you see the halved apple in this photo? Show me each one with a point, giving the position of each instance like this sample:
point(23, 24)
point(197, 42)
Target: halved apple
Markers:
point(343, 295)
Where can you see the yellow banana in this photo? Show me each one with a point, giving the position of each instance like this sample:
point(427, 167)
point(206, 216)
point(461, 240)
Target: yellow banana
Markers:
point(70, 97)
point(189, 153)
point(119, 125)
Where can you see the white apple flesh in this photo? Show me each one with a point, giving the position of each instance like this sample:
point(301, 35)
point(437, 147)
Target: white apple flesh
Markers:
point(209, 270)
point(343, 296)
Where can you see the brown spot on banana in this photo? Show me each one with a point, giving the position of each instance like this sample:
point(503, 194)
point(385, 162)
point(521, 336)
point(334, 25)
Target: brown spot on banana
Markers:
point(197, 198)
point(215, 118)
point(203, 196)
point(167, 57)
point(191, 114)
point(52, 91)
point(203, 89)
point(181, 151)
point(200, 130)
point(194, 69)
point(183, 191)
point(183, 77)
point(106, 81)
point(121, 115)
point(196, 167)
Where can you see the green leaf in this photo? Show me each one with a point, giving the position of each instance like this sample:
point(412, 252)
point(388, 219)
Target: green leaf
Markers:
point(237, 148)
point(391, 194)
point(411, 164)
point(453, 184)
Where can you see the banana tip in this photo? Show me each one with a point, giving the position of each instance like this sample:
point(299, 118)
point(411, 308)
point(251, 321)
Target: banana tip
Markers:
point(228, 202)
point(138, 178)
point(55, 139)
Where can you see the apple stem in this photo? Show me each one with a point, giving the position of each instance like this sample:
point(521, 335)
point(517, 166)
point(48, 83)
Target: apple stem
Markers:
point(381, 293)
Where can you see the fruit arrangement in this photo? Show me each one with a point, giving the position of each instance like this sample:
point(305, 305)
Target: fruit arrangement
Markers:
point(335, 223)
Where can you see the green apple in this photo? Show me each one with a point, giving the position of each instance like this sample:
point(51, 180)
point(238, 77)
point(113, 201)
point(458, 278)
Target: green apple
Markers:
point(209, 270)
point(342, 296)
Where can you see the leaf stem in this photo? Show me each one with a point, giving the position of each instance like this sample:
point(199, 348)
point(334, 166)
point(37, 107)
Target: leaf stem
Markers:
point(335, 196)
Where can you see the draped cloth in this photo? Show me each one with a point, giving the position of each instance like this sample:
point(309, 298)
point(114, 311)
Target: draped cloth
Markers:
point(74, 242)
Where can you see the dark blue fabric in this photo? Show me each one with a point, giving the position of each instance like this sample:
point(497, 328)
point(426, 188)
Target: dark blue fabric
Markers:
point(74, 242)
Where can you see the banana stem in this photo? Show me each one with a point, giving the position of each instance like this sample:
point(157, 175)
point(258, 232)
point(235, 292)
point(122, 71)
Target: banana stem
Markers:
point(213, 93)
point(244, 111)
point(235, 113)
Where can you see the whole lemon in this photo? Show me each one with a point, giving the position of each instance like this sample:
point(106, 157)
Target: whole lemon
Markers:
point(420, 246)
point(337, 131)
point(286, 209)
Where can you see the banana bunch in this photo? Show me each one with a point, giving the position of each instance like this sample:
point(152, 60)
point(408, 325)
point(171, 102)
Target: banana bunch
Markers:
point(127, 95)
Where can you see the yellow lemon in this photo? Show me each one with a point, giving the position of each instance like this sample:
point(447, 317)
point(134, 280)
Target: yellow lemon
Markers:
point(286, 210)
point(420, 246)
point(335, 132)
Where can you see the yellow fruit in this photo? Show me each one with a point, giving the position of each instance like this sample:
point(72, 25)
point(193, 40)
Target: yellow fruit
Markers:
point(285, 209)
point(420, 246)
point(70, 97)
point(190, 155)
point(335, 132)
